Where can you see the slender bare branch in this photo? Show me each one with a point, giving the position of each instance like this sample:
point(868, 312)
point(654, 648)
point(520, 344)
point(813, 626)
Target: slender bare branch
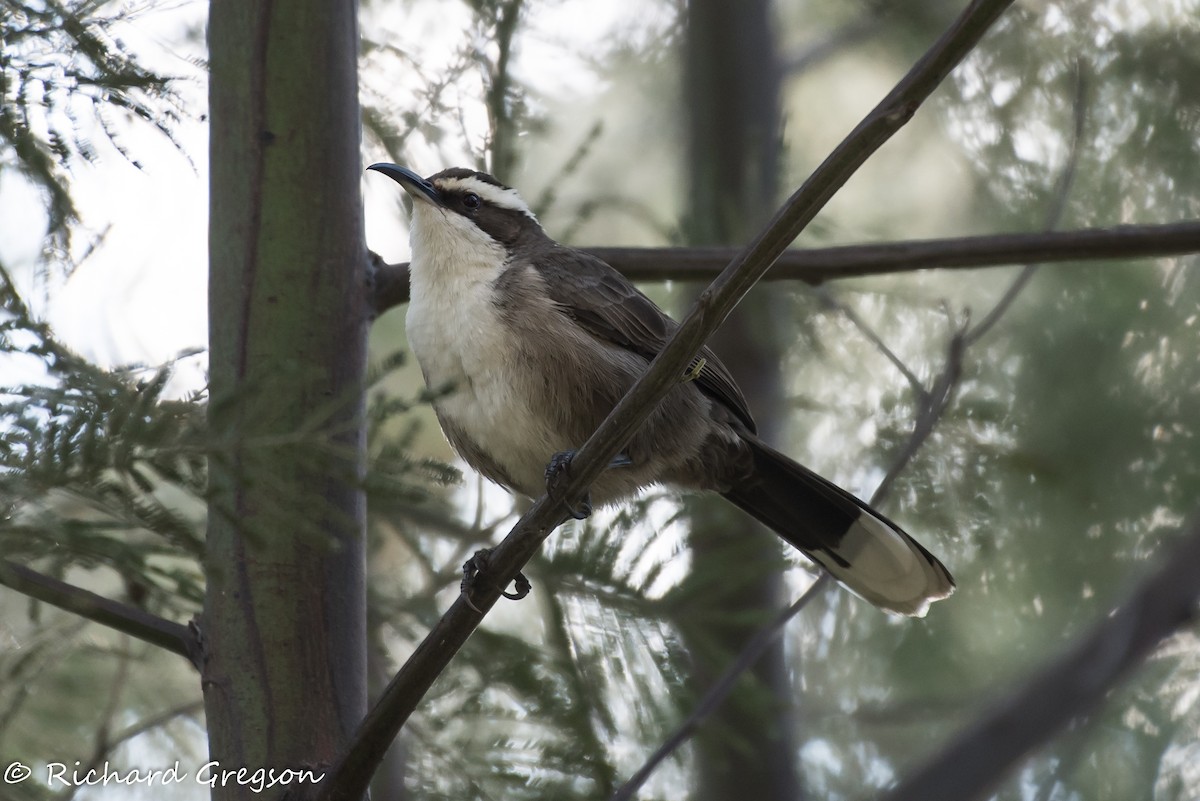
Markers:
point(110, 743)
point(930, 408)
point(348, 779)
point(964, 253)
point(720, 690)
point(117, 686)
point(189, 709)
point(818, 265)
point(1053, 216)
point(114, 614)
point(40, 652)
point(976, 760)
point(834, 303)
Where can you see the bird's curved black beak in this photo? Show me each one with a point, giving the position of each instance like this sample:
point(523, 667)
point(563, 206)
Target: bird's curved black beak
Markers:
point(414, 184)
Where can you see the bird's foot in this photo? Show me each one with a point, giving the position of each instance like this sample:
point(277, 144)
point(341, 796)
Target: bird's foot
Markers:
point(476, 567)
point(556, 474)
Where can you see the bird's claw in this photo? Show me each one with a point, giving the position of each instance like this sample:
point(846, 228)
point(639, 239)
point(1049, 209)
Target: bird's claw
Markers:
point(556, 474)
point(475, 567)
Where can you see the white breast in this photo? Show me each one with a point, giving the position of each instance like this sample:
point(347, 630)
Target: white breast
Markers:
point(460, 341)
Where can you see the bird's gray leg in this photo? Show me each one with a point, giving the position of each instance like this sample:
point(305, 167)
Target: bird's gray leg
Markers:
point(556, 473)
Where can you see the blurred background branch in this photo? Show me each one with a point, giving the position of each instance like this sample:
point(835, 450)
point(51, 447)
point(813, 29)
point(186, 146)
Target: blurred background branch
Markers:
point(818, 265)
point(1071, 686)
point(127, 619)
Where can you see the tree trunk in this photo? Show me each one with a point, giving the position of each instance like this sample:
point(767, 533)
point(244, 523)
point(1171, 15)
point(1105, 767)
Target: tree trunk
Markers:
point(732, 82)
point(284, 620)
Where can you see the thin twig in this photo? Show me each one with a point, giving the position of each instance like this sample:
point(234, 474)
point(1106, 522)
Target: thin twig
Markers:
point(502, 147)
point(827, 298)
point(929, 412)
point(818, 265)
point(128, 619)
point(717, 694)
point(1053, 215)
point(348, 779)
point(106, 743)
point(40, 652)
point(976, 760)
point(116, 690)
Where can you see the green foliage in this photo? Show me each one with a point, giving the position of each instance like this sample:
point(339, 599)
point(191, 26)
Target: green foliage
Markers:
point(1011, 111)
point(98, 468)
point(530, 710)
point(407, 105)
point(103, 475)
point(102, 467)
point(63, 70)
point(1069, 454)
point(396, 479)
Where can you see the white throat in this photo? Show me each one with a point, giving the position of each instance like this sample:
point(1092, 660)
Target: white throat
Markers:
point(456, 331)
point(449, 247)
point(451, 315)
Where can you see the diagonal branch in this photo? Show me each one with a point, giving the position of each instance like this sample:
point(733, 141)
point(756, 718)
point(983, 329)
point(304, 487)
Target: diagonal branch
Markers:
point(977, 759)
point(818, 265)
point(348, 779)
point(114, 614)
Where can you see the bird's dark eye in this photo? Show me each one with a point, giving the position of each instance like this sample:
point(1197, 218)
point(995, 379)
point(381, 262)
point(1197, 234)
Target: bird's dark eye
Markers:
point(472, 201)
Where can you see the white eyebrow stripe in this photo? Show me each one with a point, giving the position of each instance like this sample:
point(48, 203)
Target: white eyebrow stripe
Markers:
point(490, 193)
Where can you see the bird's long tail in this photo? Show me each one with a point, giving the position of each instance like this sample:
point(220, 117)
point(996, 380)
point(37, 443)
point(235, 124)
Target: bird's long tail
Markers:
point(865, 551)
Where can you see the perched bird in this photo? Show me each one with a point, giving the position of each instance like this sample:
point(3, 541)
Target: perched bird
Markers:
point(535, 342)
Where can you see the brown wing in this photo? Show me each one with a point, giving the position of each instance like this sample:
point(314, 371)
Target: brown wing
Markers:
point(612, 309)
